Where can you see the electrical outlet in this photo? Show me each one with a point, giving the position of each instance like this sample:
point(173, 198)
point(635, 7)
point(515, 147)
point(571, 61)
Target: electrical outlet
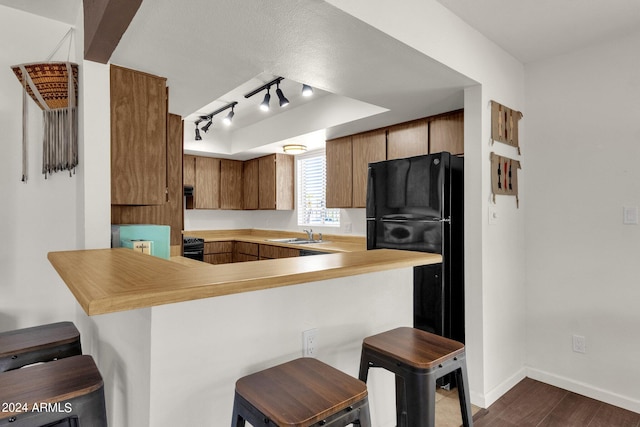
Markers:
point(579, 344)
point(309, 343)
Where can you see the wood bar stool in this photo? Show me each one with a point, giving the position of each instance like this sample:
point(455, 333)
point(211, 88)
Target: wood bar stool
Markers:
point(38, 344)
point(65, 392)
point(418, 359)
point(302, 393)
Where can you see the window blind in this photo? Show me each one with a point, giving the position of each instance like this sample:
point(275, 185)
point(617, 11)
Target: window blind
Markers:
point(312, 191)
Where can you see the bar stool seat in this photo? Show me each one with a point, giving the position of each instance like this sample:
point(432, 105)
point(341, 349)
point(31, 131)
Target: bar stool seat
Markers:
point(417, 358)
point(49, 393)
point(44, 343)
point(302, 393)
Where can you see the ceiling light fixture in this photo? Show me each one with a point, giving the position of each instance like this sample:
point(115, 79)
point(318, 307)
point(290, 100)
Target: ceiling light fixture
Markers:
point(209, 117)
point(307, 90)
point(294, 148)
point(206, 127)
point(264, 106)
point(229, 117)
point(283, 100)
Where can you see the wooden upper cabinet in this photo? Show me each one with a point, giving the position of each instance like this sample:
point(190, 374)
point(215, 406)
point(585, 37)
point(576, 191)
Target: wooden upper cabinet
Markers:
point(368, 147)
point(207, 188)
point(230, 184)
point(138, 138)
point(276, 182)
point(174, 212)
point(339, 172)
point(446, 133)
point(171, 212)
point(189, 165)
point(408, 139)
point(250, 180)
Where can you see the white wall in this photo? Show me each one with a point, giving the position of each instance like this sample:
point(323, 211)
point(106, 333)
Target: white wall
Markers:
point(494, 267)
point(39, 216)
point(583, 158)
point(235, 335)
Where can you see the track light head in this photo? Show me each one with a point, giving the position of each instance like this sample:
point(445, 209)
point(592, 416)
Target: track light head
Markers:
point(206, 127)
point(264, 106)
point(307, 90)
point(283, 100)
point(229, 117)
point(198, 137)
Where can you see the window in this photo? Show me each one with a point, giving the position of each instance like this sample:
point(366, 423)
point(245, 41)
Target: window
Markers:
point(312, 191)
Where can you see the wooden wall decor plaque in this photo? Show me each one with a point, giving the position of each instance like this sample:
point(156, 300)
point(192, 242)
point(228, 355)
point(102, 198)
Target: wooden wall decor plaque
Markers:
point(504, 124)
point(504, 176)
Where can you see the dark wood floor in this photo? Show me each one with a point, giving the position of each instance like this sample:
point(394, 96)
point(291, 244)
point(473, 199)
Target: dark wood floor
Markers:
point(532, 403)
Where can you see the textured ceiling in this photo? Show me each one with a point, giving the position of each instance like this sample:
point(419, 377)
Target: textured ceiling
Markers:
point(535, 29)
point(211, 49)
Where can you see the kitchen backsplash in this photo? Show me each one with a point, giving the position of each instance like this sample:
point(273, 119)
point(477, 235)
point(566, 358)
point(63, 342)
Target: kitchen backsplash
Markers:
point(352, 221)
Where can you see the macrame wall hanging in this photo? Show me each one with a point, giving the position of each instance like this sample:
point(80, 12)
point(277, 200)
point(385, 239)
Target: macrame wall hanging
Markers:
point(504, 177)
point(54, 88)
point(504, 124)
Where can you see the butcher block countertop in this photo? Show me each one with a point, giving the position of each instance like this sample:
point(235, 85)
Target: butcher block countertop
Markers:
point(112, 280)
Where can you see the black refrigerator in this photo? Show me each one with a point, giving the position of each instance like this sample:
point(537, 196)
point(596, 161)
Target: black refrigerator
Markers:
point(417, 204)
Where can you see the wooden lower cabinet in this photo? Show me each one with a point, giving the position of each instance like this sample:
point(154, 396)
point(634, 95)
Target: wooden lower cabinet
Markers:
point(274, 252)
point(227, 252)
point(245, 251)
point(218, 252)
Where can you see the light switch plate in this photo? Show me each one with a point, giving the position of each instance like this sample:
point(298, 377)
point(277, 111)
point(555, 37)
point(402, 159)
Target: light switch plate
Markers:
point(493, 215)
point(630, 215)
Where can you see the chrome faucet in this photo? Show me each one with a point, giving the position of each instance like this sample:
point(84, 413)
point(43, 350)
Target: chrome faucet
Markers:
point(309, 234)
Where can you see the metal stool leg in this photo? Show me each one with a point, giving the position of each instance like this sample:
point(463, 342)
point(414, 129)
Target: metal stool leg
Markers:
point(463, 395)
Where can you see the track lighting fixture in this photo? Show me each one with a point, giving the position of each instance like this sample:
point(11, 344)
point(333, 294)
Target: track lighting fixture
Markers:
point(283, 100)
point(229, 117)
point(209, 117)
point(307, 90)
point(264, 106)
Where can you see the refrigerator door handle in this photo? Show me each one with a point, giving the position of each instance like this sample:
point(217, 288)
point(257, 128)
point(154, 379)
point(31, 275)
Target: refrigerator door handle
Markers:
point(448, 220)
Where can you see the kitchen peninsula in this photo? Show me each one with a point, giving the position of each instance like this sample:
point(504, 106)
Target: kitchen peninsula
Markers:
point(171, 338)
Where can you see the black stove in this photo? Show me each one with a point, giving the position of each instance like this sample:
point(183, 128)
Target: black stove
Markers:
point(193, 247)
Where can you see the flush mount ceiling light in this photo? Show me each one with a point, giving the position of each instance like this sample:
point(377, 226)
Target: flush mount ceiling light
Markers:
point(294, 148)
point(209, 118)
point(307, 90)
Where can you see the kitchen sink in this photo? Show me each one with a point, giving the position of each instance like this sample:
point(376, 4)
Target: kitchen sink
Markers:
point(296, 240)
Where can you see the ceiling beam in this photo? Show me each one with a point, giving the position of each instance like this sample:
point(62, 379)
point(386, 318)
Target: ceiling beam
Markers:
point(105, 21)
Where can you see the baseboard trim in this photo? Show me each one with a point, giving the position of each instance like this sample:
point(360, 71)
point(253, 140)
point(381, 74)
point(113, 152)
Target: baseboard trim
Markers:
point(584, 389)
point(496, 393)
